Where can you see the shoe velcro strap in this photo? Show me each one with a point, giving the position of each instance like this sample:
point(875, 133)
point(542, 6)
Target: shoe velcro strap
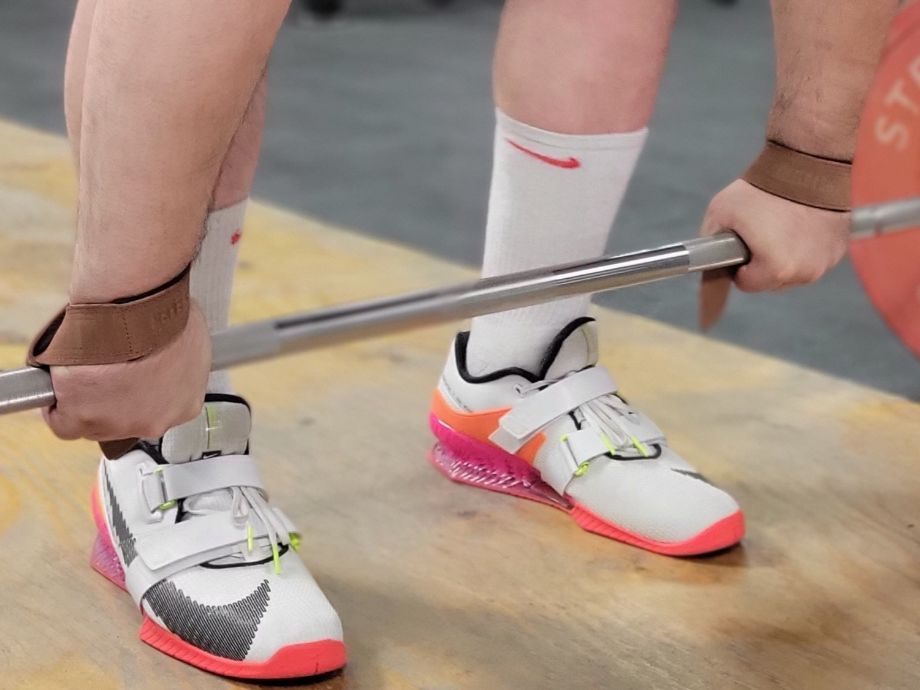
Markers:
point(638, 427)
point(183, 540)
point(171, 549)
point(173, 482)
point(534, 412)
point(558, 468)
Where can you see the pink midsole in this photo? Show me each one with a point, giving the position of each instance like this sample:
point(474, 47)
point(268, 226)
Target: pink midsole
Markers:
point(103, 558)
point(470, 461)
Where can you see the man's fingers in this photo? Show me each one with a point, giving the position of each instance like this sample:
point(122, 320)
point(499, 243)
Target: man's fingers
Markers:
point(758, 276)
point(138, 399)
point(751, 280)
point(63, 426)
point(68, 425)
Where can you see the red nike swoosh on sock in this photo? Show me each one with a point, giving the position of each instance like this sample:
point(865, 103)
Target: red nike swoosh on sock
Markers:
point(567, 163)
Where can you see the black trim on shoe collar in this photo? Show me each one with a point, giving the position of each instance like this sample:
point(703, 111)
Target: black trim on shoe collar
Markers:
point(226, 397)
point(552, 351)
point(154, 451)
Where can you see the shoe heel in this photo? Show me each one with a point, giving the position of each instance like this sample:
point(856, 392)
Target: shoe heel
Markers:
point(104, 561)
point(468, 461)
point(103, 558)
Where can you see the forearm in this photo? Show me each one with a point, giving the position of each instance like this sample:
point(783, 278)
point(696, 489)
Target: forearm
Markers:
point(75, 71)
point(166, 87)
point(826, 55)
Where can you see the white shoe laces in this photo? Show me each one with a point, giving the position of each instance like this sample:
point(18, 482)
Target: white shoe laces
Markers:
point(246, 501)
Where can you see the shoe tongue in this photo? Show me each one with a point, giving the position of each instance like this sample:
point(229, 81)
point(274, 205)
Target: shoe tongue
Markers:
point(573, 349)
point(222, 428)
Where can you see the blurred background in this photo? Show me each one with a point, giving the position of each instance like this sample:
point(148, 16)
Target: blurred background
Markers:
point(380, 120)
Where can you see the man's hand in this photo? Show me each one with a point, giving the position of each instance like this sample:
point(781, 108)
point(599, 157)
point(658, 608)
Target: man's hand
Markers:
point(790, 244)
point(136, 399)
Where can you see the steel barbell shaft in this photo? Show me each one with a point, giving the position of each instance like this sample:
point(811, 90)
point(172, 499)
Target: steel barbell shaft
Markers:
point(29, 388)
point(889, 215)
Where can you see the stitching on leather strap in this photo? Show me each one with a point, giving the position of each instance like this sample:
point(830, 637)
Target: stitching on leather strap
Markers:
point(801, 177)
point(120, 331)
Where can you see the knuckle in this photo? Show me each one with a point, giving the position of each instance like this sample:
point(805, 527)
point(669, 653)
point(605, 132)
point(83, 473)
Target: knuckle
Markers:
point(784, 275)
point(62, 431)
point(62, 428)
point(746, 281)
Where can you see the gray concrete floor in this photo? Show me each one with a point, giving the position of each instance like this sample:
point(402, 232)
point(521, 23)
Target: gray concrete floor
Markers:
point(381, 121)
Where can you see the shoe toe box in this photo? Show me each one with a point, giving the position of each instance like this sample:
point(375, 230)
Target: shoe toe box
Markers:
point(659, 500)
point(246, 613)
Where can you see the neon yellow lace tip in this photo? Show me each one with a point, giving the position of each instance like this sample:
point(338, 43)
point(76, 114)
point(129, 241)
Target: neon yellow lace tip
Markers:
point(640, 446)
point(295, 541)
point(249, 537)
point(166, 506)
point(610, 447)
point(276, 559)
point(582, 468)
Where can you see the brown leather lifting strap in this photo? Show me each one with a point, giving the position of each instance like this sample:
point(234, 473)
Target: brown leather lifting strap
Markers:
point(801, 177)
point(120, 331)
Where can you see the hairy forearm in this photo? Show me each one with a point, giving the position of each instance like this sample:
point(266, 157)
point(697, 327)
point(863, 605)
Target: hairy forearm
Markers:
point(826, 55)
point(166, 86)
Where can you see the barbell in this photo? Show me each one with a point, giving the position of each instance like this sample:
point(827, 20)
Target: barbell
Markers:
point(30, 387)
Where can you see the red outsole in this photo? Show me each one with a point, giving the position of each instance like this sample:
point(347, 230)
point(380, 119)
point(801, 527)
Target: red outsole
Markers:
point(294, 661)
point(465, 460)
point(725, 533)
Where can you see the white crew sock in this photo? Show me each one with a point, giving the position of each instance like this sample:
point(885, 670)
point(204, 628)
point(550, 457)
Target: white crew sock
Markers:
point(212, 275)
point(552, 200)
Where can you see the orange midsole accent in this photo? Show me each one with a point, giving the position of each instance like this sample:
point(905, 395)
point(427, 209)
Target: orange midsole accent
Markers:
point(481, 425)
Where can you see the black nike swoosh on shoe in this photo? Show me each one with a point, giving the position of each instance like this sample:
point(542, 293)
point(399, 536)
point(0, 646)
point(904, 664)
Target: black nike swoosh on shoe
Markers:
point(226, 630)
point(122, 534)
point(695, 475)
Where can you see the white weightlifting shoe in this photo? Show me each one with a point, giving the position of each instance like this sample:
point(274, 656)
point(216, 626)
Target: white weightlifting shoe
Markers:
point(186, 528)
point(564, 437)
